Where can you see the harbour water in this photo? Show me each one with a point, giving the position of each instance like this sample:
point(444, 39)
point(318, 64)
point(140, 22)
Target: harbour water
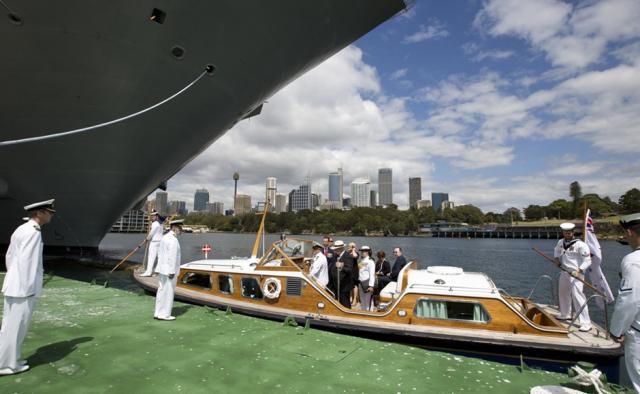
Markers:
point(511, 263)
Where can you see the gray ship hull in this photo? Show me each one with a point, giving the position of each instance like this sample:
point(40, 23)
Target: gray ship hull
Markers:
point(71, 64)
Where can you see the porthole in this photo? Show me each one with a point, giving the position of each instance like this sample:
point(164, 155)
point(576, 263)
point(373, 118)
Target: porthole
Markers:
point(177, 52)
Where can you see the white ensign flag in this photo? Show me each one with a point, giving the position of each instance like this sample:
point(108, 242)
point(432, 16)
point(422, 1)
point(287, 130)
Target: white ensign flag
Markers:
point(595, 271)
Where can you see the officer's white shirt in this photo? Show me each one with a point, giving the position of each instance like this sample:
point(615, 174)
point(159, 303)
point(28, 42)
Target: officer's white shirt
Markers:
point(367, 271)
point(169, 255)
point(155, 234)
point(319, 269)
point(576, 256)
point(24, 262)
point(627, 309)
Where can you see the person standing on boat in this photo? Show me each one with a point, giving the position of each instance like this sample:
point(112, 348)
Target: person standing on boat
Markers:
point(22, 285)
point(168, 268)
point(319, 268)
point(353, 251)
point(327, 241)
point(625, 322)
point(366, 278)
point(341, 274)
point(573, 256)
point(153, 238)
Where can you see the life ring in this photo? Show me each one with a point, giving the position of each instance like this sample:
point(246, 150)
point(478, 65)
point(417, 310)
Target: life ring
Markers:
point(271, 288)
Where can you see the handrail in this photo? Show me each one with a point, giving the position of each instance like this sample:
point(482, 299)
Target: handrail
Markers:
point(510, 297)
point(538, 282)
point(606, 315)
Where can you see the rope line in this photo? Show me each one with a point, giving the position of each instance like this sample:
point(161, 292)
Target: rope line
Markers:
point(97, 126)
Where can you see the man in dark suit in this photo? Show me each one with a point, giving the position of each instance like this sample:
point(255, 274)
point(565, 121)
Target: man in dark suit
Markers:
point(398, 265)
point(341, 273)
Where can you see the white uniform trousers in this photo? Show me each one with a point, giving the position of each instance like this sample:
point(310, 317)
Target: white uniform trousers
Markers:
point(366, 299)
point(154, 246)
point(632, 357)
point(15, 323)
point(570, 289)
point(164, 297)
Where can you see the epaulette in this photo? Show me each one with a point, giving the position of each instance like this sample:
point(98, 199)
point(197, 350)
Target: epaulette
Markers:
point(36, 227)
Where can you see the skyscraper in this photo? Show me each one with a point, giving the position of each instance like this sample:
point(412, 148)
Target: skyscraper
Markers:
point(385, 186)
point(200, 200)
point(242, 204)
point(415, 191)
point(300, 199)
point(271, 189)
point(281, 203)
point(336, 189)
point(360, 193)
point(437, 199)
point(374, 199)
point(161, 203)
point(216, 208)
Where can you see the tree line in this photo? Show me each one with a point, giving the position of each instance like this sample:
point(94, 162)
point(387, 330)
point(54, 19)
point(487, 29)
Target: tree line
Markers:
point(392, 221)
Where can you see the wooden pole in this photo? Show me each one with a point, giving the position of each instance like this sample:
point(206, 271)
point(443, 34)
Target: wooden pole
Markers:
point(256, 244)
point(146, 247)
point(129, 255)
point(569, 272)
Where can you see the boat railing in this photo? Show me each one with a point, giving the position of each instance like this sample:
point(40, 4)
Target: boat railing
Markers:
point(512, 300)
point(232, 266)
point(606, 314)
point(553, 297)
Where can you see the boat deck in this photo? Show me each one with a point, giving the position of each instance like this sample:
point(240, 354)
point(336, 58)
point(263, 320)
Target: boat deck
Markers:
point(89, 338)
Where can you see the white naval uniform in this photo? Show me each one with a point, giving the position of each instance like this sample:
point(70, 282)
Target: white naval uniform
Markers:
point(367, 278)
point(154, 238)
point(319, 269)
point(168, 264)
point(569, 288)
point(626, 316)
point(21, 288)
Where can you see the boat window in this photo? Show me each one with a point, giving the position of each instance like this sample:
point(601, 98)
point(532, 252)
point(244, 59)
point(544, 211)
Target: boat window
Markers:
point(225, 283)
point(453, 310)
point(251, 288)
point(197, 279)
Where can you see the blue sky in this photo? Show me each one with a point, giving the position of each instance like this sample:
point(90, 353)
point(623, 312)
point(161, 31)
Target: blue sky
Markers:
point(500, 103)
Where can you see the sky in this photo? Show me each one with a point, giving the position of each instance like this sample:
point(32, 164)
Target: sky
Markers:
point(500, 103)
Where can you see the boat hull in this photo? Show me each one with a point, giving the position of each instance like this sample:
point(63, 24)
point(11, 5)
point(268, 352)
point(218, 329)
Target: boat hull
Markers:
point(74, 64)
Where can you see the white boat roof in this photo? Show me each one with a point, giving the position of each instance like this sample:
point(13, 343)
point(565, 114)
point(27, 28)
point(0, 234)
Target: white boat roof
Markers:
point(241, 264)
point(451, 281)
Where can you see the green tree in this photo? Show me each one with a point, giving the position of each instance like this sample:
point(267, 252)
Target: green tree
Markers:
point(534, 212)
point(575, 191)
point(560, 209)
point(468, 214)
point(512, 215)
point(630, 201)
point(598, 206)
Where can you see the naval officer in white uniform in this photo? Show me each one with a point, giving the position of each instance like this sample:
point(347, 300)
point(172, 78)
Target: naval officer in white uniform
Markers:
point(574, 256)
point(22, 285)
point(625, 322)
point(154, 237)
point(319, 267)
point(168, 269)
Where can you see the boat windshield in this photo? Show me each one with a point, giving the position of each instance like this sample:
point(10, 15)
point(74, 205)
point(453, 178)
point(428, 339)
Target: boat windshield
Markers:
point(292, 248)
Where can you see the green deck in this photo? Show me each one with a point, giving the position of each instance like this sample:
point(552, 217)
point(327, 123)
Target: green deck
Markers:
point(92, 339)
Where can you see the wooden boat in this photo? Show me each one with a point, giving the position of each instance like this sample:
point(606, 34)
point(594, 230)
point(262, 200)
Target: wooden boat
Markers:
point(437, 307)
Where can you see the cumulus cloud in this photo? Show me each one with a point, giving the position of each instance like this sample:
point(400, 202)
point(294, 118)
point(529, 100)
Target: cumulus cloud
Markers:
point(571, 36)
point(478, 54)
point(432, 31)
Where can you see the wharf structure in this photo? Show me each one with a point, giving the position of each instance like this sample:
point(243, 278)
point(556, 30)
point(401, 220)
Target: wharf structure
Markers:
point(522, 232)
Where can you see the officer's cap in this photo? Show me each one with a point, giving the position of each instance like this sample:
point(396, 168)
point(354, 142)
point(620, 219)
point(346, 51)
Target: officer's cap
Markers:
point(154, 212)
point(629, 221)
point(317, 246)
point(177, 222)
point(365, 248)
point(567, 226)
point(48, 205)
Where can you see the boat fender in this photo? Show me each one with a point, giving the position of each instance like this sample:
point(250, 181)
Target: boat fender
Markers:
point(271, 288)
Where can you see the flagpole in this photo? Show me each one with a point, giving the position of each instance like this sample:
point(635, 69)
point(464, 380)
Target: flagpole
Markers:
point(584, 225)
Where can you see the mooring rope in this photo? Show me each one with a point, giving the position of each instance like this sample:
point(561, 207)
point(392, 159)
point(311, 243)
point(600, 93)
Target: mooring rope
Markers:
point(97, 126)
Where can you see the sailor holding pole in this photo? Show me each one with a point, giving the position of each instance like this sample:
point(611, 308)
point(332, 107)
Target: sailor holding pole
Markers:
point(168, 269)
point(22, 285)
point(625, 322)
point(574, 257)
point(154, 237)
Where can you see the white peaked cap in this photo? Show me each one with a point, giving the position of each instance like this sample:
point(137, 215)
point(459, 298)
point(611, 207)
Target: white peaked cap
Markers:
point(178, 221)
point(567, 226)
point(629, 221)
point(48, 205)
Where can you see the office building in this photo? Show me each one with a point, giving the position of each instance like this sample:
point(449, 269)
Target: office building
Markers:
point(281, 203)
point(177, 208)
point(374, 199)
point(437, 199)
point(200, 200)
point(300, 198)
point(423, 204)
point(271, 189)
point(336, 188)
point(360, 192)
point(415, 191)
point(216, 208)
point(242, 204)
point(385, 186)
point(447, 205)
point(161, 203)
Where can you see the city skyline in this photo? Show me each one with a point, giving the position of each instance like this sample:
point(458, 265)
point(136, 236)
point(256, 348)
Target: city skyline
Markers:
point(497, 111)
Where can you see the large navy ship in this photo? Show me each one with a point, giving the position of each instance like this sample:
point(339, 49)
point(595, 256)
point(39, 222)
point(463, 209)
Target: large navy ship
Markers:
point(68, 65)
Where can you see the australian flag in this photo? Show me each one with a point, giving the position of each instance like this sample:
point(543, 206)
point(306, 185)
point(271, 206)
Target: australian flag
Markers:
point(595, 271)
